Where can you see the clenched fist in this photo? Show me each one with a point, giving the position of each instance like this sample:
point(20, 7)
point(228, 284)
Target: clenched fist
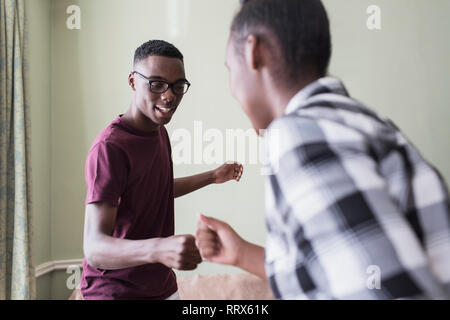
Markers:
point(179, 252)
point(217, 241)
point(228, 171)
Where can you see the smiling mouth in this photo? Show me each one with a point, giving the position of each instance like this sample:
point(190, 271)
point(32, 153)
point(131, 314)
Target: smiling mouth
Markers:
point(165, 111)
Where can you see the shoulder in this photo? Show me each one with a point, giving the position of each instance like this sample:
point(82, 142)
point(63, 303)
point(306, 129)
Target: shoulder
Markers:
point(306, 137)
point(298, 129)
point(113, 136)
point(108, 143)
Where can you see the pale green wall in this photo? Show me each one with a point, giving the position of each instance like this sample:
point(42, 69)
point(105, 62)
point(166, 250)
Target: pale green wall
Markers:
point(38, 26)
point(399, 71)
point(402, 70)
point(38, 14)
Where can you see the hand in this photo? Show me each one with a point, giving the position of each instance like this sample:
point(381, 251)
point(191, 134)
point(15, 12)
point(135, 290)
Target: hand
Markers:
point(228, 171)
point(179, 252)
point(217, 241)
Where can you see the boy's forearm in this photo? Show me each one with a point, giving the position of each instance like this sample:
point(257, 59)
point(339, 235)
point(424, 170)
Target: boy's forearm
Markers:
point(109, 253)
point(252, 259)
point(187, 185)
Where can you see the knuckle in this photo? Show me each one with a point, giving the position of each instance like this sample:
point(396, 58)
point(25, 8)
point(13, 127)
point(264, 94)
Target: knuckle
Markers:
point(186, 239)
point(182, 240)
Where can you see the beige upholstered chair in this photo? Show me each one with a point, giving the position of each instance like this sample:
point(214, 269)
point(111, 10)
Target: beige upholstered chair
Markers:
point(241, 286)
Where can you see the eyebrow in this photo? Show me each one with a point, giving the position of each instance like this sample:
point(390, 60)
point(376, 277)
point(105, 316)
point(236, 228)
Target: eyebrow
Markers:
point(162, 78)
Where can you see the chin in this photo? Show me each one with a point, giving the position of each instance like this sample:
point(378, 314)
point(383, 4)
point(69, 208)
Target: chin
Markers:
point(258, 130)
point(163, 122)
point(259, 125)
point(155, 118)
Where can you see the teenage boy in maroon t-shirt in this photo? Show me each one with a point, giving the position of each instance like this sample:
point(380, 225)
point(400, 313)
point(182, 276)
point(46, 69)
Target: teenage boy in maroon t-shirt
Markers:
point(129, 242)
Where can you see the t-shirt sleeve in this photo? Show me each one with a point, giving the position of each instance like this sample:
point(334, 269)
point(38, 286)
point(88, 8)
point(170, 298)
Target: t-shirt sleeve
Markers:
point(105, 174)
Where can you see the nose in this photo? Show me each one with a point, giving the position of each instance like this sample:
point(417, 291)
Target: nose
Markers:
point(168, 96)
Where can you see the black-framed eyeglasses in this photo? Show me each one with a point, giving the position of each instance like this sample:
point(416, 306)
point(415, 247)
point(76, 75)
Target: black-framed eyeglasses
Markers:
point(160, 86)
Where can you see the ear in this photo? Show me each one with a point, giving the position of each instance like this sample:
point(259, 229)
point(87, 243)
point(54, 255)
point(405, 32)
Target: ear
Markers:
point(253, 52)
point(131, 81)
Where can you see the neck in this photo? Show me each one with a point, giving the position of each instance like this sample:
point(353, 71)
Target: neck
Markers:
point(135, 118)
point(281, 96)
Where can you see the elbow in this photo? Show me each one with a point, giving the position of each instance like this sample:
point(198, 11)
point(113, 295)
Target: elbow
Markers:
point(90, 255)
point(90, 261)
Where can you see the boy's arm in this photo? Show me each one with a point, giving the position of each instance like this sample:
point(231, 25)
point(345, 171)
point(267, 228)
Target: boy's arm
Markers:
point(219, 243)
point(226, 172)
point(103, 251)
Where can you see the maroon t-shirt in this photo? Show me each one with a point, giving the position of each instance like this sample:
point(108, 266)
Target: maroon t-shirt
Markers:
point(132, 170)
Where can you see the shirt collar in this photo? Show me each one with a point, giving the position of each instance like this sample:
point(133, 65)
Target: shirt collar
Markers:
point(322, 85)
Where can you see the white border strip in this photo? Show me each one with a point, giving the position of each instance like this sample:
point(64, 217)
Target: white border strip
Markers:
point(51, 266)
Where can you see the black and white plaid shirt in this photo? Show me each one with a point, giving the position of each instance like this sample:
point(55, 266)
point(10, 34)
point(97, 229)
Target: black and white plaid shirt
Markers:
point(353, 210)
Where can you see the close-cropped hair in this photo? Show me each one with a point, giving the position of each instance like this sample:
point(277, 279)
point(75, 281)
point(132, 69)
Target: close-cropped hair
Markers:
point(300, 27)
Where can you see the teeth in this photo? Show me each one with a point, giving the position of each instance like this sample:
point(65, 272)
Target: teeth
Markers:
point(164, 110)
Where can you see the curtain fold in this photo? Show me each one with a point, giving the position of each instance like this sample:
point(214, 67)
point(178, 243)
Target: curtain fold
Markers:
point(17, 280)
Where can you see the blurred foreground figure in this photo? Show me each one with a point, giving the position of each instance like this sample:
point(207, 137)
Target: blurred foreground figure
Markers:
point(353, 210)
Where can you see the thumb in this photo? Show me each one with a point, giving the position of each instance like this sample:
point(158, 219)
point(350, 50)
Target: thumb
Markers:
point(210, 222)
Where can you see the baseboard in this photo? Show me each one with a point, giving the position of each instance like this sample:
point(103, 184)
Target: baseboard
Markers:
point(51, 266)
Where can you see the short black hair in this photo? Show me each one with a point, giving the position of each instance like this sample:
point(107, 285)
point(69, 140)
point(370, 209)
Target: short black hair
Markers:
point(156, 48)
point(301, 29)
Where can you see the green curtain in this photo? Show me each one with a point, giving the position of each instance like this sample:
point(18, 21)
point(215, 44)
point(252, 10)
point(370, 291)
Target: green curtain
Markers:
point(17, 280)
